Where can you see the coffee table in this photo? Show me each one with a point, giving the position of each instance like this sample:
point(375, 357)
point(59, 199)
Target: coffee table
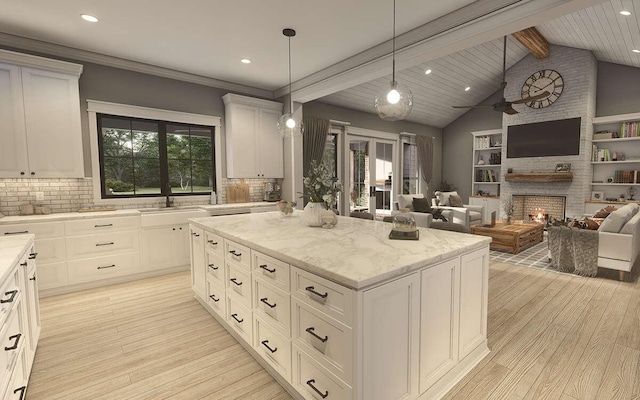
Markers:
point(513, 237)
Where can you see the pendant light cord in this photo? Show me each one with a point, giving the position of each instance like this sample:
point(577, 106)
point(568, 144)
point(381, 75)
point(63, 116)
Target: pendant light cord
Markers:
point(393, 54)
point(290, 92)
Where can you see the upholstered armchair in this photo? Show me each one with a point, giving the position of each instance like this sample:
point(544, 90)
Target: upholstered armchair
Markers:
point(406, 201)
point(463, 214)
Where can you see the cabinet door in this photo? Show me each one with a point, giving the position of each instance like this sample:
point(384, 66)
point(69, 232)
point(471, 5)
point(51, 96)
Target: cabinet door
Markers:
point(391, 315)
point(438, 322)
point(198, 267)
point(242, 125)
point(157, 248)
point(270, 155)
point(52, 117)
point(181, 241)
point(474, 284)
point(13, 139)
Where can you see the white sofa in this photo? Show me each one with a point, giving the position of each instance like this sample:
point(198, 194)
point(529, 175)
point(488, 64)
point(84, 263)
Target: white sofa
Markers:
point(406, 201)
point(466, 215)
point(619, 239)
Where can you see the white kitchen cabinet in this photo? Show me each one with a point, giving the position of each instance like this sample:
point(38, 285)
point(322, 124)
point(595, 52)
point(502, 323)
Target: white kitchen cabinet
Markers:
point(490, 204)
point(253, 145)
point(40, 128)
point(474, 280)
point(165, 247)
point(198, 266)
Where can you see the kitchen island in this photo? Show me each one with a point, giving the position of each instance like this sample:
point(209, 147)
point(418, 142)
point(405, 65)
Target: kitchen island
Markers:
point(346, 313)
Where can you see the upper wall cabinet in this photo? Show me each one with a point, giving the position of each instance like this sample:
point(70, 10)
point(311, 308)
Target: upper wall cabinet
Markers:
point(40, 133)
point(254, 146)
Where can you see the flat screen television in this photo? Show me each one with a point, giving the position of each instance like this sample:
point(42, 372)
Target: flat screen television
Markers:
point(544, 139)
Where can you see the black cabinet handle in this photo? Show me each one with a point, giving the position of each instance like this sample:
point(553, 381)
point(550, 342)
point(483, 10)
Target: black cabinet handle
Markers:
point(265, 301)
point(311, 331)
point(21, 172)
point(21, 390)
point(15, 233)
point(235, 253)
point(265, 344)
point(104, 244)
point(211, 242)
point(33, 256)
point(324, 395)
point(235, 281)
point(266, 268)
point(195, 234)
point(33, 279)
point(12, 297)
point(107, 266)
point(213, 267)
point(33, 173)
point(24, 264)
point(235, 316)
point(312, 290)
point(15, 344)
point(213, 297)
point(102, 225)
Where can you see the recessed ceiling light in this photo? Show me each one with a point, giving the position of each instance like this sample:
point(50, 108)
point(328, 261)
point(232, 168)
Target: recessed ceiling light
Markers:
point(89, 18)
point(467, 88)
point(636, 51)
point(427, 72)
point(625, 13)
point(245, 61)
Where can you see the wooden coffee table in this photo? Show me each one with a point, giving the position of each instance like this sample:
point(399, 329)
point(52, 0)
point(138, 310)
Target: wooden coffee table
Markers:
point(513, 237)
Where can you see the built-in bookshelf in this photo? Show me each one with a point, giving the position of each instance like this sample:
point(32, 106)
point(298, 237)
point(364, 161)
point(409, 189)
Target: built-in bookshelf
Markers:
point(486, 172)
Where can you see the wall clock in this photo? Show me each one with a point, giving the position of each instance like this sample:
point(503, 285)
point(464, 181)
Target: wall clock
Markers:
point(541, 81)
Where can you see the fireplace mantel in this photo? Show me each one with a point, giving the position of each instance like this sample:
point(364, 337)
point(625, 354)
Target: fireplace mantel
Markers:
point(539, 177)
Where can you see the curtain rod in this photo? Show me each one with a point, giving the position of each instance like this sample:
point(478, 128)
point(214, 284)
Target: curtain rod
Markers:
point(414, 134)
point(336, 122)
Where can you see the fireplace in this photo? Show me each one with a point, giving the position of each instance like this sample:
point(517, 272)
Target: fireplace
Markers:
point(539, 208)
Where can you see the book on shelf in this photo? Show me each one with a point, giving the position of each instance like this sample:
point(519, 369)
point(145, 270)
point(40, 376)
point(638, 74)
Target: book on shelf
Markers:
point(630, 129)
point(631, 176)
point(482, 142)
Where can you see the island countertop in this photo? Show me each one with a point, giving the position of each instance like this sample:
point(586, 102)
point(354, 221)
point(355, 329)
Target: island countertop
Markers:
point(11, 248)
point(356, 253)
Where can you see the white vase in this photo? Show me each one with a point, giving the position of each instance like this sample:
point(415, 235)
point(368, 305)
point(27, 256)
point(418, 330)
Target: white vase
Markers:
point(313, 213)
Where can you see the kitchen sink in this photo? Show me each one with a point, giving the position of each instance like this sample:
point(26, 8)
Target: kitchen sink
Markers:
point(168, 209)
point(169, 216)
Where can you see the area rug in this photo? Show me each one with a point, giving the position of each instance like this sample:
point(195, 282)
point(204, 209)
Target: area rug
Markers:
point(535, 256)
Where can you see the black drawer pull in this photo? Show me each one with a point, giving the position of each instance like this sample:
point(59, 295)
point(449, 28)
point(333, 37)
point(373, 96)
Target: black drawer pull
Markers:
point(211, 242)
point(33, 279)
point(235, 316)
point(15, 345)
point(324, 395)
point(235, 281)
point(107, 266)
point(265, 301)
point(21, 390)
point(103, 226)
point(105, 244)
point(311, 289)
point(33, 256)
point(235, 253)
point(213, 297)
point(12, 297)
point(24, 264)
point(213, 267)
point(311, 331)
point(195, 234)
point(266, 268)
point(265, 344)
point(15, 233)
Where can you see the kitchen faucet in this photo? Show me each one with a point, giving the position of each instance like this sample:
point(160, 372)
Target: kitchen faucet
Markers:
point(169, 200)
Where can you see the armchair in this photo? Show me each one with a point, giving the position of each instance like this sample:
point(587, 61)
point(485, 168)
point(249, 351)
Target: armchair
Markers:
point(406, 201)
point(465, 214)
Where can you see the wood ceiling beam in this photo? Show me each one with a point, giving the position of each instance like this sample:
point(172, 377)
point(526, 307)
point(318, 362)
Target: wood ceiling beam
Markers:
point(533, 41)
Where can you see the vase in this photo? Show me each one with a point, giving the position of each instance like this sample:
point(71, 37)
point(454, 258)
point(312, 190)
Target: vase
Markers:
point(508, 220)
point(313, 213)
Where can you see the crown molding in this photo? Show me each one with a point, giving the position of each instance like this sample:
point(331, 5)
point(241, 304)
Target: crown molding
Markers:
point(56, 50)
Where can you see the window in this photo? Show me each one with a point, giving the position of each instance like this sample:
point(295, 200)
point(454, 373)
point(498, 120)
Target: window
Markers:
point(142, 158)
point(330, 153)
point(410, 168)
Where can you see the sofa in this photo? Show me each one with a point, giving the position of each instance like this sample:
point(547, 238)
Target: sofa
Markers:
point(406, 201)
point(464, 214)
point(619, 239)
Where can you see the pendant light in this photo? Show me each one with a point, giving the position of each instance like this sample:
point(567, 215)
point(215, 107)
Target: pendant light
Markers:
point(289, 125)
point(394, 103)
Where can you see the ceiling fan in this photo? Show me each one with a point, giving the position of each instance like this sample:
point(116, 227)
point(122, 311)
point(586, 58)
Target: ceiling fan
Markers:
point(504, 105)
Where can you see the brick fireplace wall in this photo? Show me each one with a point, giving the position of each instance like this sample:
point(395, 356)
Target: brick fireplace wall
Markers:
point(579, 72)
point(524, 206)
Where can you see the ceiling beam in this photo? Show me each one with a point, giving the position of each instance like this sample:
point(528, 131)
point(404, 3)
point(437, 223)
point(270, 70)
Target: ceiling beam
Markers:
point(533, 41)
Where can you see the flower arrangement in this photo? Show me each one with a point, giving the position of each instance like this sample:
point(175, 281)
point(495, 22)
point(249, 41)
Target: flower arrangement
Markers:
point(508, 207)
point(320, 185)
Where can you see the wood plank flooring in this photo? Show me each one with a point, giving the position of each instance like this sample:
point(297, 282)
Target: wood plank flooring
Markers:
point(552, 336)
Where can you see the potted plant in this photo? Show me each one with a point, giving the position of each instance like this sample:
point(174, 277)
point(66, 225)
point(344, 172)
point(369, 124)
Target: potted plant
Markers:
point(321, 191)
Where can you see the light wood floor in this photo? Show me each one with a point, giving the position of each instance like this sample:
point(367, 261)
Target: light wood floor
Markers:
point(552, 336)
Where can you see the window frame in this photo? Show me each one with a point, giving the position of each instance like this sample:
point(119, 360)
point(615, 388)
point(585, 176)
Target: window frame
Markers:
point(406, 138)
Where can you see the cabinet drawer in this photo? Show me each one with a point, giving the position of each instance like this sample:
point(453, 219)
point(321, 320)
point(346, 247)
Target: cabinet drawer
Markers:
point(100, 225)
point(216, 298)
point(102, 244)
point(51, 250)
point(93, 269)
point(273, 305)
point(239, 282)
point(215, 268)
point(238, 254)
point(9, 294)
point(52, 275)
point(12, 337)
point(214, 244)
point(18, 385)
point(326, 296)
point(240, 318)
point(314, 382)
point(42, 230)
point(273, 271)
point(273, 347)
point(327, 340)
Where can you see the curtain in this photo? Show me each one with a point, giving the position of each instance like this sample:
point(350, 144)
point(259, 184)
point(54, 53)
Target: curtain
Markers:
point(315, 138)
point(425, 157)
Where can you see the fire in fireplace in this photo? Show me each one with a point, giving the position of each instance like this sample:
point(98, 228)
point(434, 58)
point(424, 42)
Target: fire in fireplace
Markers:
point(538, 208)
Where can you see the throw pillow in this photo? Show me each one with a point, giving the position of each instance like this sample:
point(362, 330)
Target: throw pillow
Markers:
point(588, 224)
point(630, 226)
point(616, 220)
point(604, 212)
point(421, 205)
point(455, 200)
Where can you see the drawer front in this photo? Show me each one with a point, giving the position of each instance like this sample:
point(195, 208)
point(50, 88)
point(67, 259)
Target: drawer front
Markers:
point(214, 244)
point(103, 244)
point(326, 296)
point(273, 305)
point(100, 225)
point(314, 382)
point(238, 254)
point(215, 268)
point(328, 341)
point(216, 298)
point(240, 319)
point(273, 347)
point(52, 275)
point(12, 337)
point(93, 269)
point(51, 250)
point(239, 283)
point(9, 294)
point(42, 230)
point(18, 385)
point(273, 271)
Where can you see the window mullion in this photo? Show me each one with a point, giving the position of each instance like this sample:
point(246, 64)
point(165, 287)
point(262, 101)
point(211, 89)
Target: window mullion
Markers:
point(162, 152)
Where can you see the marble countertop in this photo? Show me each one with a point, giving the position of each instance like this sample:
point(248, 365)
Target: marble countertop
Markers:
point(11, 248)
point(356, 253)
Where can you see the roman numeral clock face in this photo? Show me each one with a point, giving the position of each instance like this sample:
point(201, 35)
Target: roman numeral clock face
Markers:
point(546, 80)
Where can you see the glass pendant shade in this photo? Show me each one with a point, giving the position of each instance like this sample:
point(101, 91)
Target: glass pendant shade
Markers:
point(289, 126)
point(394, 102)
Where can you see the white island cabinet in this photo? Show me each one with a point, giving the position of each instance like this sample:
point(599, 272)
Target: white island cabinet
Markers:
point(346, 313)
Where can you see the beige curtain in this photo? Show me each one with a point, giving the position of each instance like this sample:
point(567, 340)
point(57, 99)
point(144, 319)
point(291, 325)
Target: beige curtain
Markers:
point(314, 139)
point(425, 157)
